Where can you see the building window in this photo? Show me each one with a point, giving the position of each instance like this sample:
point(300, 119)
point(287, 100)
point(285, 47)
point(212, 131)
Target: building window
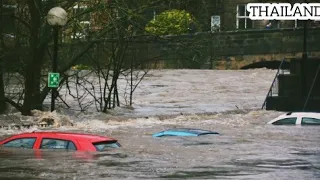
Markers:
point(81, 27)
point(81, 12)
point(243, 20)
point(298, 23)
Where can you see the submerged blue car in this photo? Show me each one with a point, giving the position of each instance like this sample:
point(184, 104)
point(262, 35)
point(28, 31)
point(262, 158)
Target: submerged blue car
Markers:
point(183, 132)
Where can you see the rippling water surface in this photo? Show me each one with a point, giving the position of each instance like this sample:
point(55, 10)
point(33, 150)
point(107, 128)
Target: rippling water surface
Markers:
point(246, 148)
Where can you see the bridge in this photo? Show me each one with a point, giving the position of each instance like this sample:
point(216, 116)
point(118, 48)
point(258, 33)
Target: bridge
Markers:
point(205, 49)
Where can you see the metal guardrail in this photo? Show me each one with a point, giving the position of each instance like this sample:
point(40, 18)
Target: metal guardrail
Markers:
point(274, 84)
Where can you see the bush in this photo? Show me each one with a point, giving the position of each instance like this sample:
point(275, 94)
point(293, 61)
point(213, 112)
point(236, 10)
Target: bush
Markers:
point(171, 22)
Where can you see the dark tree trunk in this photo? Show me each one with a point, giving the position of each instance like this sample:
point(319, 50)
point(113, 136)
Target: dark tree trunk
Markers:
point(2, 97)
point(32, 98)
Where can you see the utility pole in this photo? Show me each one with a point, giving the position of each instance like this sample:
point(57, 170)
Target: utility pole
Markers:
point(305, 34)
point(304, 57)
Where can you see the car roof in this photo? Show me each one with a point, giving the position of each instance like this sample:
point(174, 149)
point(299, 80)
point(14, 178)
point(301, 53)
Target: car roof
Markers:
point(68, 135)
point(183, 132)
point(296, 114)
point(314, 114)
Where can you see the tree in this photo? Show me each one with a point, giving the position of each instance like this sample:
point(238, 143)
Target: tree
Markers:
point(34, 35)
point(2, 95)
point(109, 50)
point(170, 22)
point(111, 60)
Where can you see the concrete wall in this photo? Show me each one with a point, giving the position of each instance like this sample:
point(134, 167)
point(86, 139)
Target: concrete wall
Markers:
point(264, 41)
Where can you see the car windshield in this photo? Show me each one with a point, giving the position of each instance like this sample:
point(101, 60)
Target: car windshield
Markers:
point(286, 121)
point(105, 145)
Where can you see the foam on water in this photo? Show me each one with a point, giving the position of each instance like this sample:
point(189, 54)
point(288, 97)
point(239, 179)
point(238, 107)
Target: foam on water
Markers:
point(226, 119)
point(222, 119)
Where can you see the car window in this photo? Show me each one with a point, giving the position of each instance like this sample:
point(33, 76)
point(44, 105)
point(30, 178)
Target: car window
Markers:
point(286, 121)
point(21, 143)
point(47, 143)
point(105, 145)
point(310, 121)
point(71, 146)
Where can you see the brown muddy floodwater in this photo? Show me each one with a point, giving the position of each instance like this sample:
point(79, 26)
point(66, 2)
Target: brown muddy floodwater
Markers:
point(246, 148)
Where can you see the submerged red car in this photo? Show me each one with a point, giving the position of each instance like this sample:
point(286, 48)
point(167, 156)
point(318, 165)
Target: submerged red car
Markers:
point(60, 140)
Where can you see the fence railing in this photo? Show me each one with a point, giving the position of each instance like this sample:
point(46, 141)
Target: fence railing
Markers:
point(274, 88)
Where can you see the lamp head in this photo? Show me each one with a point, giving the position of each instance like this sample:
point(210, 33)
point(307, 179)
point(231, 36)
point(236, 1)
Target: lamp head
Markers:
point(57, 16)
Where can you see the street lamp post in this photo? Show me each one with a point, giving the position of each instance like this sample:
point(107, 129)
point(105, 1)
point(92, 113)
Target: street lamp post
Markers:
point(56, 17)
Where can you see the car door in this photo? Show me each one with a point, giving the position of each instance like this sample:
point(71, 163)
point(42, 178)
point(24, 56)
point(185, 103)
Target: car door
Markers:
point(21, 142)
point(310, 121)
point(56, 143)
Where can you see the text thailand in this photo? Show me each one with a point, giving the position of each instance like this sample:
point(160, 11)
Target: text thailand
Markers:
point(284, 11)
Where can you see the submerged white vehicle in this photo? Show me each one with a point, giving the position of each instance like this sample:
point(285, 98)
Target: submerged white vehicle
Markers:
point(297, 118)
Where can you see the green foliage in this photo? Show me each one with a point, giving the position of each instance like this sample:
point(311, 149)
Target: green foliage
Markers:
point(170, 22)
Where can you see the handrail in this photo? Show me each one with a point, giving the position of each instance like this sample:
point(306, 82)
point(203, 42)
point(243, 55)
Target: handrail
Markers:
point(274, 80)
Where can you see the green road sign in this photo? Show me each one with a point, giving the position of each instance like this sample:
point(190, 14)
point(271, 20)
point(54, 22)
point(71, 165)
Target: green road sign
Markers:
point(53, 80)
